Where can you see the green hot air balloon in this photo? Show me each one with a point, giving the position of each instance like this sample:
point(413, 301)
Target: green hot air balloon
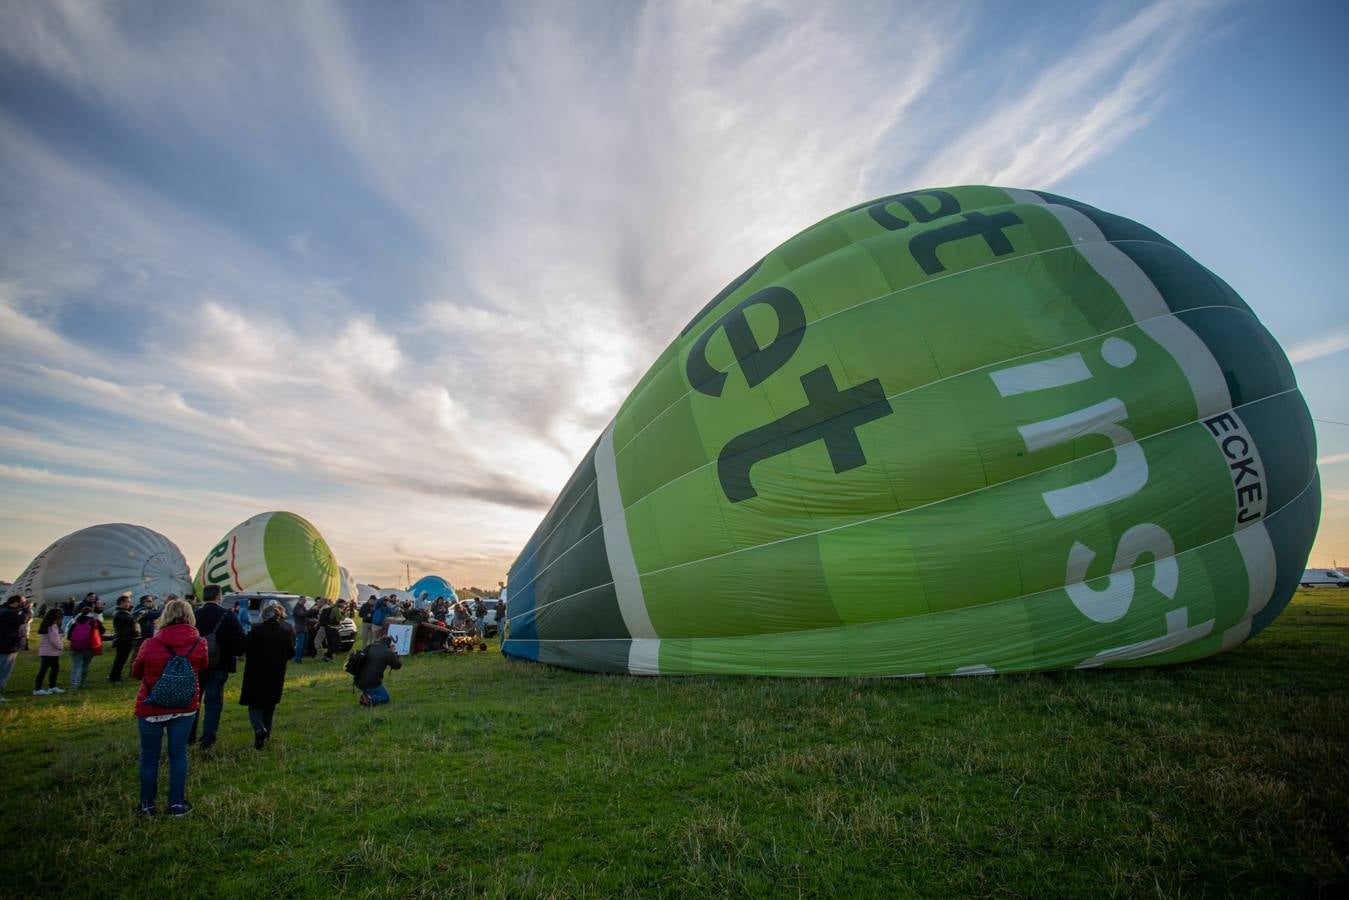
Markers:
point(950, 431)
point(275, 551)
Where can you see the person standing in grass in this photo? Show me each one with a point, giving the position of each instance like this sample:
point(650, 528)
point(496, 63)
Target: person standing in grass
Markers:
point(27, 622)
point(145, 615)
point(370, 679)
point(176, 655)
point(300, 621)
point(318, 634)
point(49, 647)
point(367, 613)
point(86, 642)
point(269, 647)
point(123, 635)
point(329, 621)
point(480, 615)
point(214, 619)
point(377, 620)
point(11, 621)
point(241, 613)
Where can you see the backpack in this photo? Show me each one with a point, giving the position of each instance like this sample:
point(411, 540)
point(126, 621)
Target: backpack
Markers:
point(213, 645)
point(177, 684)
point(355, 661)
point(81, 635)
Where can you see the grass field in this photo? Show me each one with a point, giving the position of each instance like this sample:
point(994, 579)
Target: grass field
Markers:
point(1225, 777)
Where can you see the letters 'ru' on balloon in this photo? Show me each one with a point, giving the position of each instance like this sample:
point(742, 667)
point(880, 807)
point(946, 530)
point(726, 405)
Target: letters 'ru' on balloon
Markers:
point(952, 431)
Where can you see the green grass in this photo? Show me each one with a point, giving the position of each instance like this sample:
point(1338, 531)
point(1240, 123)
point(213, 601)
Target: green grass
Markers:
point(487, 777)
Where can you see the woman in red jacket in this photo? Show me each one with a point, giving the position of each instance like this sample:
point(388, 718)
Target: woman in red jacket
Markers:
point(176, 637)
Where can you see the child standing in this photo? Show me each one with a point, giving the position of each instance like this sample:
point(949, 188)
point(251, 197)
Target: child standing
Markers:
point(49, 649)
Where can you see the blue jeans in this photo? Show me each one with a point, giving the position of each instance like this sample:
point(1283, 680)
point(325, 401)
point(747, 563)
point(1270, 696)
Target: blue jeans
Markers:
point(151, 744)
point(212, 701)
point(6, 666)
point(300, 640)
point(79, 667)
point(377, 695)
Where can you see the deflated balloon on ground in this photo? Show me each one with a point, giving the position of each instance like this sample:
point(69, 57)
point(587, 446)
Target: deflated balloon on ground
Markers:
point(951, 431)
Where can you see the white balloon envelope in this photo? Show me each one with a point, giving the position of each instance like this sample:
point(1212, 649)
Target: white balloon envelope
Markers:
point(106, 560)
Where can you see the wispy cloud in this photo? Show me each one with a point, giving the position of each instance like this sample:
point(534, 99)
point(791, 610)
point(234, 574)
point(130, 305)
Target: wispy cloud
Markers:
point(534, 215)
point(1332, 459)
point(1082, 104)
point(1319, 347)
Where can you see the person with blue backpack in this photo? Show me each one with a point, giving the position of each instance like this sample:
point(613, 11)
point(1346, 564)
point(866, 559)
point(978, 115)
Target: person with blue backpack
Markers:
point(167, 665)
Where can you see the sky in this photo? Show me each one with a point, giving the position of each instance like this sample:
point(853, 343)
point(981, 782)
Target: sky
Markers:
point(394, 266)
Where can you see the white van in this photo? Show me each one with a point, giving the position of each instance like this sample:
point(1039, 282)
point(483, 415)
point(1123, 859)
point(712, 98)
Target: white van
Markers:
point(1324, 578)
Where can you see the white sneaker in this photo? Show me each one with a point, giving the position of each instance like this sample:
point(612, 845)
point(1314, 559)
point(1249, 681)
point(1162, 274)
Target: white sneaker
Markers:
point(56, 690)
point(39, 693)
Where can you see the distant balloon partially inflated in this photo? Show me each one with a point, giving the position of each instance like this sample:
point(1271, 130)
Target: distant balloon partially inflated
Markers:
point(106, 560)
point(433, 586)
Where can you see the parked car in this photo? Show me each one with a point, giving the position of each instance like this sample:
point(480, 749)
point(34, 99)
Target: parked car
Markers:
point(1324, 578)
point(346, 635)
point(256, 601)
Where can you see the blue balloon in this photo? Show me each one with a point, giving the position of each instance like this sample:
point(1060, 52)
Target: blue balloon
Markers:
point(433, 586)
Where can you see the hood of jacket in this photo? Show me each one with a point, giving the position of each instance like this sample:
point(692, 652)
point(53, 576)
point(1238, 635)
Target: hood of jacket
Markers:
point(179, 637)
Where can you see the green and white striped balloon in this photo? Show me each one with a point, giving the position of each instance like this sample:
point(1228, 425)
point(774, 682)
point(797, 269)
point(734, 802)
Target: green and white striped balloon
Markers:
point(275, 551)
point(952, 431)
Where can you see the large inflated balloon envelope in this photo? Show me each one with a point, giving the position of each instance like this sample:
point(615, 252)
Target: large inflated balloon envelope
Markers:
point(952, 431)
point(272, 552)
point(106, 560)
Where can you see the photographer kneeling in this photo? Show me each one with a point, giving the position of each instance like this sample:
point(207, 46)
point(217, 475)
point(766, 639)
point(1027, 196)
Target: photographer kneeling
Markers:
point(370, 678)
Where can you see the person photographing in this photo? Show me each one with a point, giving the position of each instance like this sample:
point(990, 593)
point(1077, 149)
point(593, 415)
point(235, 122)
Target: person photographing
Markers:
point(370, 674)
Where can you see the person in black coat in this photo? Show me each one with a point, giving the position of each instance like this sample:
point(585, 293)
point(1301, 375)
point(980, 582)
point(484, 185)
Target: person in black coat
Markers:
point(268, 648)
point(124, 635)
point(214, 619)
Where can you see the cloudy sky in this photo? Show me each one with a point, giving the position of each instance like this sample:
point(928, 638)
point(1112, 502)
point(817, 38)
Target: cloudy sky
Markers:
point(394, 266)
